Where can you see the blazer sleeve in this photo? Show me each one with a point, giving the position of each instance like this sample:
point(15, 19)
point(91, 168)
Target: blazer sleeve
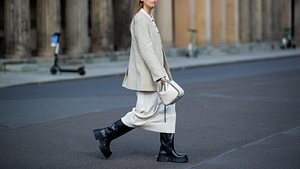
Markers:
point(145, 46)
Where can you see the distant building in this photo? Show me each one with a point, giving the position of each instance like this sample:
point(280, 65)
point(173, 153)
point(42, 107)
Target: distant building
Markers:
point(96, 26)
point(225, 22)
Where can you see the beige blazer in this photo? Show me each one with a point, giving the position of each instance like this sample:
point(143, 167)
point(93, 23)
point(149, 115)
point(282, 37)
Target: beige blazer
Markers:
point(147, 62)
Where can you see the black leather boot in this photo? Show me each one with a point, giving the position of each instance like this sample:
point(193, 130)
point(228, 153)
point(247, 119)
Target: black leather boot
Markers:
point(106, 135)
point(167, 152)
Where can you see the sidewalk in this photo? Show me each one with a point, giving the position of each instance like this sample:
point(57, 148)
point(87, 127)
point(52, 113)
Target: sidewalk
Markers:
point(102, 67)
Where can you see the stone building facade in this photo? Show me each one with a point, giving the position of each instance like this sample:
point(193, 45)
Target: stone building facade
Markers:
point(227, 22)
point(87, 26)
point(96, 26)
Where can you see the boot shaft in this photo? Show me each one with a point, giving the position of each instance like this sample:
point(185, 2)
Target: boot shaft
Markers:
point(117, 129)
point(167, 141)
point(167, 153)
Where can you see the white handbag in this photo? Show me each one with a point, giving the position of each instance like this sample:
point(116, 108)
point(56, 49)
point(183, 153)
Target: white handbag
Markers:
point(169, 92)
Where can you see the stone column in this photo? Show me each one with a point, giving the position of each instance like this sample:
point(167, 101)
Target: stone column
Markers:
point(285, 10)
point(276, 24)
point(267, 20)
point(201, 21)
point(217, 22)
point(164, 21)
point(182, 20)
point(76, 32)
point(231, 21)
point(48, 22)
point(244, 20)
point(17, 28)
point(224, 21)
point(123, 10)
point(297, 22)
point(102, 25)
point(256, 20)
point(208, 22)
point(2, 47)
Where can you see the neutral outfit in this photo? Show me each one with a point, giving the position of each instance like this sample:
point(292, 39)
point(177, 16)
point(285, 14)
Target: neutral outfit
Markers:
point(147, 64)
point(149, 114)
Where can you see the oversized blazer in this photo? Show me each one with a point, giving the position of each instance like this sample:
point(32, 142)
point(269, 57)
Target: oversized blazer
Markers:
point(147, 62)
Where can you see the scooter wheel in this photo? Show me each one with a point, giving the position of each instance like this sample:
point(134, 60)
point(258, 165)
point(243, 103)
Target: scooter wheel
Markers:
point(81, 71)
point(53, 70)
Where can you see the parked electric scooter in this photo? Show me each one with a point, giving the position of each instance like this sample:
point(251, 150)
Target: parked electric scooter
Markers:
point(287, 40)
point(191, 50)
point(56, 68)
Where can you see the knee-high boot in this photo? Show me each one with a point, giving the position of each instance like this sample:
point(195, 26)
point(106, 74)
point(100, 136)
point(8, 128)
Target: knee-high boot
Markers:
point(167, 152)
point(106, 135)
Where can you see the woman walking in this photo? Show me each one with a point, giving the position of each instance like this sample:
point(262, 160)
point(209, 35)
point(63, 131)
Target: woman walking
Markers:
point(147, 67)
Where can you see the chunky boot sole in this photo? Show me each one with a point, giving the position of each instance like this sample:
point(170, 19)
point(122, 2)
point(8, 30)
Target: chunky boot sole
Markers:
point(105, 151)
point(168, 158)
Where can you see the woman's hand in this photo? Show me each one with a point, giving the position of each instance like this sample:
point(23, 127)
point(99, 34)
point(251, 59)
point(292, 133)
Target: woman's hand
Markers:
point(163, 80)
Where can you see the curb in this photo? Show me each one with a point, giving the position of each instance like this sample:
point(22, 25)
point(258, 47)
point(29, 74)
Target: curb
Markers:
point(180, 64)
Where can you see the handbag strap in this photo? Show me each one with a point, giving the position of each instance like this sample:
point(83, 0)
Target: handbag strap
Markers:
point(162, 86)
point(165, 114)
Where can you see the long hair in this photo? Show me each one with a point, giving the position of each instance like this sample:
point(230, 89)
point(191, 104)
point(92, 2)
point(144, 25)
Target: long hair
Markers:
point(137, 6)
